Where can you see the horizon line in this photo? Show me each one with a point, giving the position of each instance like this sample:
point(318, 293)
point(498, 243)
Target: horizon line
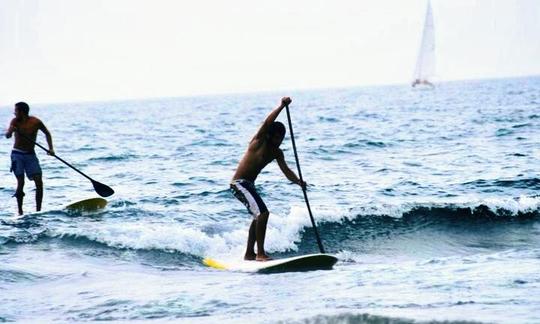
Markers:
point(266, 91)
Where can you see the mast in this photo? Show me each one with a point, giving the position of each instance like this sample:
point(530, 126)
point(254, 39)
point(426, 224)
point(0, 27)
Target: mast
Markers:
point(425, 63)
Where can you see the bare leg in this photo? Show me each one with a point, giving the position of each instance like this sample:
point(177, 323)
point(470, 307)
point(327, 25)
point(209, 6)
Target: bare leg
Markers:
point(39, 191)
point(262, 220)
point(250, 250)
point(19, 193)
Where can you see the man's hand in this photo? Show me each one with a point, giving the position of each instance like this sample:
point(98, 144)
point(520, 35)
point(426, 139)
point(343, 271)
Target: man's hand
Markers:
point(285, 101)
point(50, 152)
point(302, 184)
point(10, 131)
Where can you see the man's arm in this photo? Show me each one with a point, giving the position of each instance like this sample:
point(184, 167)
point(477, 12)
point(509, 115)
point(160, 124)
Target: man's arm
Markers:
point(286, 170)
point(285, 101)
point(48, 136)
point(11, 129)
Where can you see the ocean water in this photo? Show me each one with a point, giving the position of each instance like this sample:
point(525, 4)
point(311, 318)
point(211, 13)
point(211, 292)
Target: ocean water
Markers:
point(429, 198)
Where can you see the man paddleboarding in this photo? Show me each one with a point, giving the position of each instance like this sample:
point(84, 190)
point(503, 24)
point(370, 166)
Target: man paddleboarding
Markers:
point(262, 149)
point(23, 157)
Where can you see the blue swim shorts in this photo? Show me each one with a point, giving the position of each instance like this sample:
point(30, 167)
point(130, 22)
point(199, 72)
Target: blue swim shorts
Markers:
point(22, 162)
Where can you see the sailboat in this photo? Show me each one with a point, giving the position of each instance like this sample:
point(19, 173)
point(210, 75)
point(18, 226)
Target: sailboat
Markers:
point(425, 62)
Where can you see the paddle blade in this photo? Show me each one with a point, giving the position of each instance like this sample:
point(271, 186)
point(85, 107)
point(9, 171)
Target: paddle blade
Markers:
point(102, 190)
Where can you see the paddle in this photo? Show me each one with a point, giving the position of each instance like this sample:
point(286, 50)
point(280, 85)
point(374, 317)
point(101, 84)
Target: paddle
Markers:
point(321, 248)
point(102, 189)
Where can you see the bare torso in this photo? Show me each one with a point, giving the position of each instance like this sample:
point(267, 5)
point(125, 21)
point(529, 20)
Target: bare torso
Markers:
point(258, 155)
point(29, 127)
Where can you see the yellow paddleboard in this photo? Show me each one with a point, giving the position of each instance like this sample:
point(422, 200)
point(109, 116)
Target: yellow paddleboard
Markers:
point(307, 262)
point(87, 205)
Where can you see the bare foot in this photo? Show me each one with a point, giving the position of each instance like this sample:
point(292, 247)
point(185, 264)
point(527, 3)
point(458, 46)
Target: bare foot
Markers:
point(263, 258)
point(249, 256)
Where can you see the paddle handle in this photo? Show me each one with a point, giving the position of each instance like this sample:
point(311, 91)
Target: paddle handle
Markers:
point(319, 242)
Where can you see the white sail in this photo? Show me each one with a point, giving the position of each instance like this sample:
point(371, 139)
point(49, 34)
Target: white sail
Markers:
point(425, 63)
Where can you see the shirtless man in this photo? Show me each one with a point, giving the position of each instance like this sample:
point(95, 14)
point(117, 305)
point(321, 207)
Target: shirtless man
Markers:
point(263, 149)
point(23, 157)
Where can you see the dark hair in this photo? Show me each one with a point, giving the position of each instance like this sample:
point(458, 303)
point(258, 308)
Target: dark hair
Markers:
point(276, 128)
point(23, 107)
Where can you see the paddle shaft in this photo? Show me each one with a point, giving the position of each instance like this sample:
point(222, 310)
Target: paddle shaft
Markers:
point(66, 163)
point(319, 242)
point(102, 189)
point(46, 150)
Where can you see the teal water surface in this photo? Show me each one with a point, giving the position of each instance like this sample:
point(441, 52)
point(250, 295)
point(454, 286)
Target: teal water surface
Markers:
point(429, 198)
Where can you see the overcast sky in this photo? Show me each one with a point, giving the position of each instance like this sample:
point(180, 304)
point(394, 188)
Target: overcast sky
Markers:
point(66, 50)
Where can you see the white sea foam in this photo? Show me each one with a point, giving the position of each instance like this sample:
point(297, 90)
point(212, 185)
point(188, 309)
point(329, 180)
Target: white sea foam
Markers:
point(143, 235)
point(511, 205)
point(283, 234)
point(522, 204)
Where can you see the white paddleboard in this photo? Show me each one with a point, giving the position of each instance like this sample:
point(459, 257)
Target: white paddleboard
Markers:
point(306, 262)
